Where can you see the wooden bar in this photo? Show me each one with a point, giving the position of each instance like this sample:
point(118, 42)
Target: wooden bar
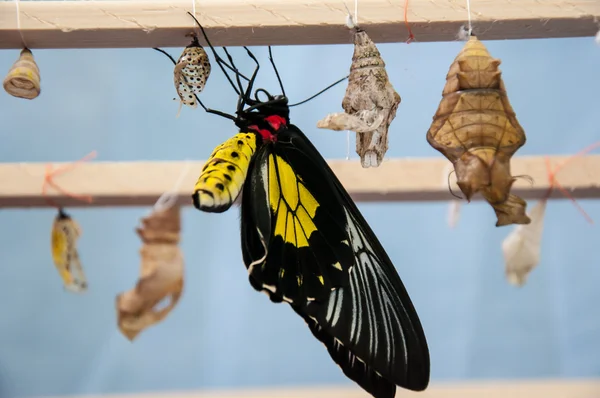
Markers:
point(141, 183)
point(574, 388)
point(133, 23)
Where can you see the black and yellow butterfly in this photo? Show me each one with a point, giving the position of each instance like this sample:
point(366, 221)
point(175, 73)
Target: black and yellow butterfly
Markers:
point(304, 242)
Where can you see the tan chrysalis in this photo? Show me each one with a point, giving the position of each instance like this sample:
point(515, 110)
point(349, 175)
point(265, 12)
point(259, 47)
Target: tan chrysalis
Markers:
point(161, 274)
point(476, 129)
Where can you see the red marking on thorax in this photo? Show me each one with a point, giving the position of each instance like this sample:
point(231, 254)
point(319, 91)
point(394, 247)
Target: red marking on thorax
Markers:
point(276, 122)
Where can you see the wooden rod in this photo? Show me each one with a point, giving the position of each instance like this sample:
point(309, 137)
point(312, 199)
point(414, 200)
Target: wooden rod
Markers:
point(551, 388)
point(141, 183)
point(128, 24)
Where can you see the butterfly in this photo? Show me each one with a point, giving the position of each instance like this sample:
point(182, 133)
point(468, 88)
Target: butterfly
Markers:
point(305, 243)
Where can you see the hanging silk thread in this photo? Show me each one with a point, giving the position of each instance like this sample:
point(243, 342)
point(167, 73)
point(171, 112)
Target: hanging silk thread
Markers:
point(351, 23)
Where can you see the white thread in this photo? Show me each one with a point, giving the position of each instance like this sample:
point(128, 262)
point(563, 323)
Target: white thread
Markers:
point(168, 199)
point(469, 17)
point(194, 9)
point(19, 23)
point(351, 23)
point(454, 205)
point(347, 144)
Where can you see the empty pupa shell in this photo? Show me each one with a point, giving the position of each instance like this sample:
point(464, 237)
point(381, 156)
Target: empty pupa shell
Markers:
point(370, 102)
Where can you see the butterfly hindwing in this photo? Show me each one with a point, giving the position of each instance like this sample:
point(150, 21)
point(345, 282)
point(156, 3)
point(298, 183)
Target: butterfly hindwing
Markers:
point(362, 310)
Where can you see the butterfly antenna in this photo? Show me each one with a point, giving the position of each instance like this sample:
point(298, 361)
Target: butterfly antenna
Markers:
point(220, 61)
point(320, 92)
point(166, 53)
point(246, 99)
point(206, 109)
point(276, 71)
point(237, 76)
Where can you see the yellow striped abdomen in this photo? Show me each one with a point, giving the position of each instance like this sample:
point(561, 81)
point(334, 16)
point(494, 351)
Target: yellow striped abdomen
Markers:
point(224, 174)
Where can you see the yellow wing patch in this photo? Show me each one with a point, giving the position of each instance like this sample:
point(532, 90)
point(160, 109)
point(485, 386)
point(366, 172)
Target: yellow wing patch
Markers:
point(294, 205)
point(65, 232)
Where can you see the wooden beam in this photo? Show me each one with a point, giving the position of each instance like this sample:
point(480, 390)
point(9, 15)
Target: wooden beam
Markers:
point(557, 388)
point(126, 24)
point(141, 183)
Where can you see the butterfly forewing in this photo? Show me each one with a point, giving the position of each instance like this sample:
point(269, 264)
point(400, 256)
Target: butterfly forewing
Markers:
point(308, 253)
point(361, 311)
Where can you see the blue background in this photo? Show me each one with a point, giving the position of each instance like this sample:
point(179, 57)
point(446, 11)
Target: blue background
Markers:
point(223, 333)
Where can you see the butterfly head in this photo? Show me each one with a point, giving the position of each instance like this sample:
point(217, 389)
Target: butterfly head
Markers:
point(265, 115)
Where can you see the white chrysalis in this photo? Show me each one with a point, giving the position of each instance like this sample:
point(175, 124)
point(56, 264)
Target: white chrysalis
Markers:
point(522, 247)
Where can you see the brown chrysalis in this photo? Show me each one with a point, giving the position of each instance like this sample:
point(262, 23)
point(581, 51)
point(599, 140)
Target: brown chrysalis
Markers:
point(370, 102)
point(476, 129)
point(161, 274)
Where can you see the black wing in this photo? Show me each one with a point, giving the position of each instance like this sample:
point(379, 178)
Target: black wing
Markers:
point(355, 302)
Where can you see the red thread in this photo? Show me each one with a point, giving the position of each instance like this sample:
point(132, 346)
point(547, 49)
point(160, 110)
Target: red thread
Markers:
point(554, 183)
point(50, 173)
point(411, 37)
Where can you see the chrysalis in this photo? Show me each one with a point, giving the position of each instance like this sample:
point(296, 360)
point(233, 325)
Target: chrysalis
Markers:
point(476, 129)
point(191, 73)
point(65, 232)
point(522, 247)
point(23, 79)
point(370, 102)
point(161, 274)
point(454, 205)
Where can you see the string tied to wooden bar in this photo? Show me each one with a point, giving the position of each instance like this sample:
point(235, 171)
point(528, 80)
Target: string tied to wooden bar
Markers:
point(351, 23)
point(169, 198)
point(553, 182)
point(66, 231)
point(50, 173)
point(465, 32)
point(161, 280)
point(522, 247)
point(411, 36)
point(23, 78)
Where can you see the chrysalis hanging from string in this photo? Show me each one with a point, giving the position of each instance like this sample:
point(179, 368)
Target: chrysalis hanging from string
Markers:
point(523, 246)
point(453, 214)
point(192, 70)
point(162, 268)
point(476, 129)
point(65, 233)
point(370, 102)
point(23, 78)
